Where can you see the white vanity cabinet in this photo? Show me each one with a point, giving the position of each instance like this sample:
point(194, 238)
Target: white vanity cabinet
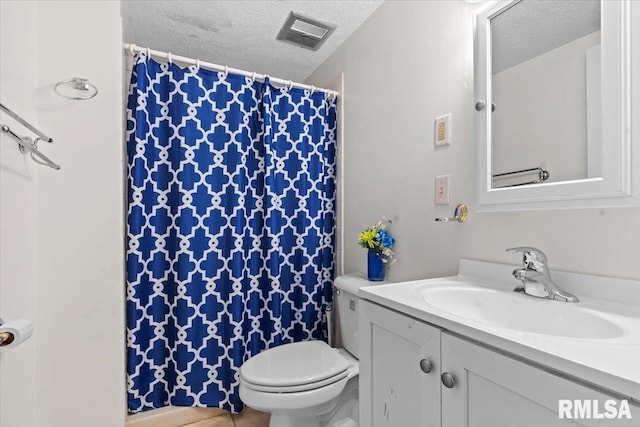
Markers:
point(490, 389)
point(496, 390)
point(399, 369)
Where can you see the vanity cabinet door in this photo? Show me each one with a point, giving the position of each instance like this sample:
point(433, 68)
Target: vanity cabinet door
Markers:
point(493, 390)
point(399, 370)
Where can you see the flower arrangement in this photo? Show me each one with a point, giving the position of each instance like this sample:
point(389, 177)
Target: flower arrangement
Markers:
point(378, 239)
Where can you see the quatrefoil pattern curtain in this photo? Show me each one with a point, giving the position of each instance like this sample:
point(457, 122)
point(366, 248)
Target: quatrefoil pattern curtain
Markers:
point(230, 233)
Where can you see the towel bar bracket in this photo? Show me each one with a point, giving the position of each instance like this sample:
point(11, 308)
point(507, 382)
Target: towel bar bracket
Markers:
point(27, 144)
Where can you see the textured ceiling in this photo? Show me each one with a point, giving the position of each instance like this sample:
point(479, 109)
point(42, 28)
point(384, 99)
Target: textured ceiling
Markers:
point(240, 33)
point(533, 27)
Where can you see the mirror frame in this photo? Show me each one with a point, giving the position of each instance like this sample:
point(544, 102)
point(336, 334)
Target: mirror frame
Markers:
point(617, 186)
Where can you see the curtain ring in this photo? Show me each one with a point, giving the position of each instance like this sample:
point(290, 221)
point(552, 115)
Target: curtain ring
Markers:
point(148, 53)
point(313, 89)
point(226, 71)
point(290, 85)
point(170, 58)
point(197, 63)
point(253, 77)
point(131, 46)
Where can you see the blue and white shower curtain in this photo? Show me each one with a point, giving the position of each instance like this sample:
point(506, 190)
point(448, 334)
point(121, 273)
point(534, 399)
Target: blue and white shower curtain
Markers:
point(230, 238)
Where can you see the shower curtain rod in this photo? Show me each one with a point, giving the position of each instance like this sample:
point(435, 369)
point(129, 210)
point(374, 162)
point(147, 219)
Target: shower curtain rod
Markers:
point(167, 55)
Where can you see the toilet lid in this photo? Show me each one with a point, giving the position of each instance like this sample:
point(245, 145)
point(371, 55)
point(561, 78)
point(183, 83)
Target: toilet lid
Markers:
point(295, 388)
point(294, 364)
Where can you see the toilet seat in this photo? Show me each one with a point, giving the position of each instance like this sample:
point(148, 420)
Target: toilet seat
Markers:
point(294, 367)
point(295, 388)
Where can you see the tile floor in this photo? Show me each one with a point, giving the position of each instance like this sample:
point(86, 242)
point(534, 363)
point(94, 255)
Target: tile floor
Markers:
point(198, 417)
point(248, 418)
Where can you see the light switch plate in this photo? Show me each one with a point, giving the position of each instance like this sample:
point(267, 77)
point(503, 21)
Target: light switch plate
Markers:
point(442, 190)
point(442, 135)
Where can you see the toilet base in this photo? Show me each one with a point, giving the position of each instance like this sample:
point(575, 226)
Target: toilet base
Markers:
point(290, 420)
point(307, 417)
point(339, 412)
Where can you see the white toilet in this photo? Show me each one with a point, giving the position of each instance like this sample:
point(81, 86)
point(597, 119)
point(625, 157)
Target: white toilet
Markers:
point(309, 384)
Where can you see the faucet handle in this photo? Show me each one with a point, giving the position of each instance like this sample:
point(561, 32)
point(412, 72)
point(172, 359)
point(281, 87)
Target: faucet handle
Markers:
point(532, 258)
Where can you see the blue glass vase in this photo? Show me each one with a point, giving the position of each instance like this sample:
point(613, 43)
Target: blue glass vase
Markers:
point(375, 266)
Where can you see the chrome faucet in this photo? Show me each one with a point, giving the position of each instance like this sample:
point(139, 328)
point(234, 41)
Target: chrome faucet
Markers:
point(535, 271)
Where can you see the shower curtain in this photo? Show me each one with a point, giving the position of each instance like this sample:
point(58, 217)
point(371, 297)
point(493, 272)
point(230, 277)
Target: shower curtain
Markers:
point(230, 231)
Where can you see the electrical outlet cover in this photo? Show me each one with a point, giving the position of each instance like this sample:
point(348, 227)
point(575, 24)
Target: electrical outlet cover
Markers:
point(442, 135)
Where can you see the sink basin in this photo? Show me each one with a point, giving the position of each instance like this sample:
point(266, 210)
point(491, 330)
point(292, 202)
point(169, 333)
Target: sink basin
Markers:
point(520, 312)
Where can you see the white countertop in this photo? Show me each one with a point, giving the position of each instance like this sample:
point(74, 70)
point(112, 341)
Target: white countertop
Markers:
point(609, 363)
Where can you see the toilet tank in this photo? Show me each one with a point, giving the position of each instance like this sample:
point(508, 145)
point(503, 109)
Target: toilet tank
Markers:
point(346, 305)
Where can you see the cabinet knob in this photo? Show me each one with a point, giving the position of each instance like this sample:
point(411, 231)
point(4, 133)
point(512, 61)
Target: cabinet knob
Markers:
point(425, 365)
point(448, 380)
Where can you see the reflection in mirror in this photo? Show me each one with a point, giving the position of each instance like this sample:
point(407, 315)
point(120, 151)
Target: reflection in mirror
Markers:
point(546, 88)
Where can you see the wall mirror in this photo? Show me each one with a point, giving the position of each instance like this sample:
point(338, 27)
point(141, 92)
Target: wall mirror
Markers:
point(553, 105)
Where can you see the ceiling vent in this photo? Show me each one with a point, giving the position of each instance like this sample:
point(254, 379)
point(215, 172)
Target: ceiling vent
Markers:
point(305, 32)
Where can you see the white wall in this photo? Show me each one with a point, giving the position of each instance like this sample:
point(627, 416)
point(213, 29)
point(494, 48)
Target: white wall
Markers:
point(408, 63)
point(18, 79)
point(72, 250)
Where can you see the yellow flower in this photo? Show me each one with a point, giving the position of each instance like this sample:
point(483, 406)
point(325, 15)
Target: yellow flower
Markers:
point(368, 237)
